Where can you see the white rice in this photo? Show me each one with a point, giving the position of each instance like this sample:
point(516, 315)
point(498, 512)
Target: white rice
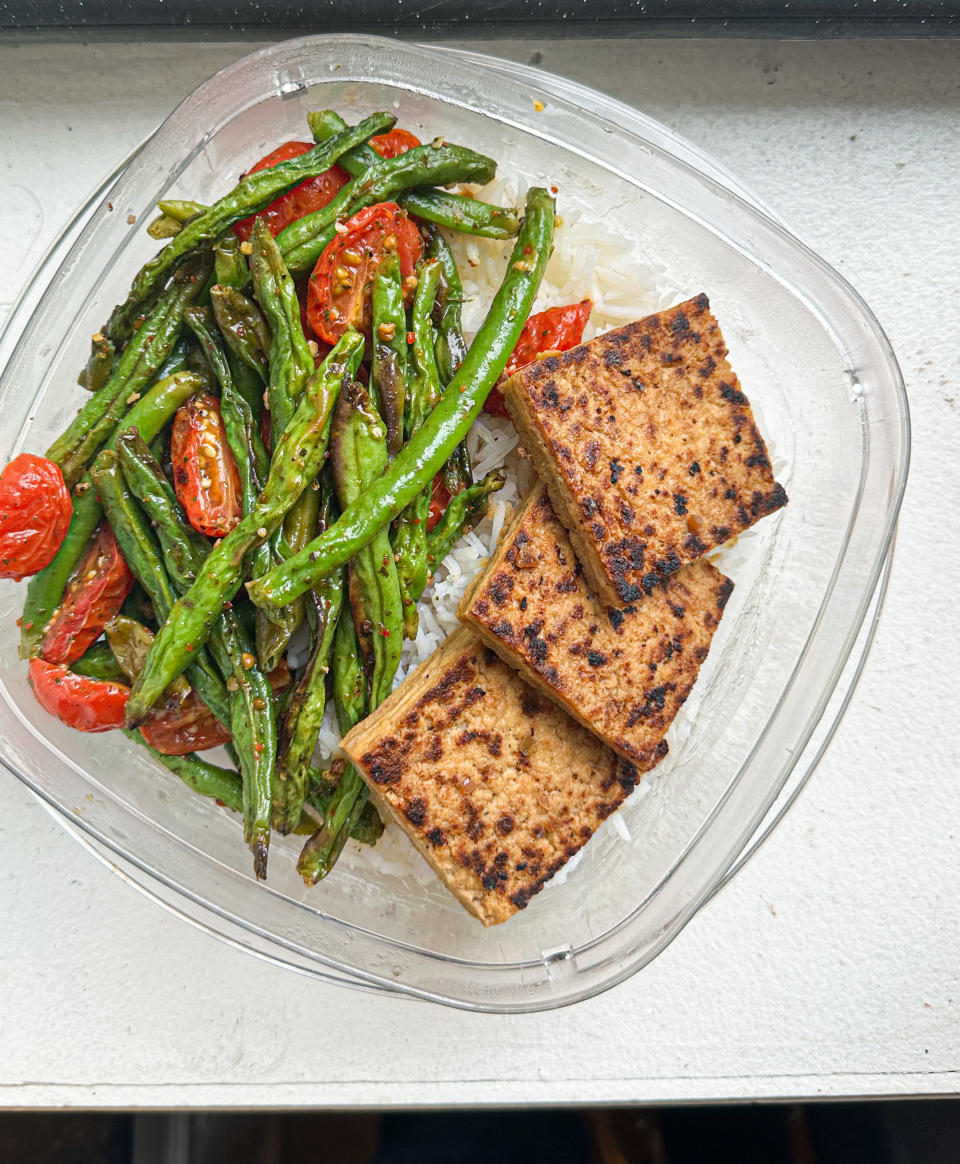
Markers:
point(588, 260)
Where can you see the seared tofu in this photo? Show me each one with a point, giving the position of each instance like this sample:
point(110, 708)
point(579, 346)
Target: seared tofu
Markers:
point(623, 673)
point(647, 446)
point(494, 784)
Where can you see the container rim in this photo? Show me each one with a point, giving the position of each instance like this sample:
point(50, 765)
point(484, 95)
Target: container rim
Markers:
point(682, 154)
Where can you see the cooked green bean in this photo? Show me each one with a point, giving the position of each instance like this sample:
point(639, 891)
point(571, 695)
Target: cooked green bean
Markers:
point(137, 605)
point(253, 727)
point(243, 328)
point(134, 536)
point(415, 466)
point(291, 360)
point(243, 437)
point(455, 211)
point(207, 779)
point(131, 373)
point(298, 455)
point(358, 455)
point(142, 554)
point(184, 549)
point(130, 641)
point(248, 384)
point(45, 589)
point(451, 348)
point(304, 715)
point(348, 683)
point(464, 510)
point(250, 712)
point(163, 226)
point(386, 178)
point(424, 392)
point(98, 662)
point(388, 367)
point(177, 360)
point(229, 265)
point(99, 364)
point(291, 363)
point(463, 214)
point(350, 699)
point(253, 193)
point(180, 209)
point(410, 538)
point(298, 528)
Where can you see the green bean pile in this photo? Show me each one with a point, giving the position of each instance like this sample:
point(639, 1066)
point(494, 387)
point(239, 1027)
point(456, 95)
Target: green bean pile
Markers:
point(332, 541)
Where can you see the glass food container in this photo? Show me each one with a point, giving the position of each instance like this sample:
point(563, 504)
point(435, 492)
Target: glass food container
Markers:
point(809, 581)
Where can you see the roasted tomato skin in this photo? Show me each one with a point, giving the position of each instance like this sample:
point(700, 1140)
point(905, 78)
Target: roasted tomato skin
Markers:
point(35, 511)
point(558, 329)
point(189, 727)
point(205, 475)
point(311, 195)
point(89, 705)
point(438, 501)
point(394, 143)
point(94, 594)
point(339, 291)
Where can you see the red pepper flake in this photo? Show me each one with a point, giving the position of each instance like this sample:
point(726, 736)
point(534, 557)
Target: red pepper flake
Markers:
point(189, 646)
point(384, 632)
point(554, 190)
point(258, 748)
point(410, 337)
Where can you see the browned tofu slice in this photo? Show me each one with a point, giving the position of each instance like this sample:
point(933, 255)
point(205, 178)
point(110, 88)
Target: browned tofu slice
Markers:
point(623, 673)
point(647, 445)
point(495, 785)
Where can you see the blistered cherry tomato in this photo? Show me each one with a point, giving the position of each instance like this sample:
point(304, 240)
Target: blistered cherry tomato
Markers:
point(35, 510)
point(94, 594)
point(558, 329)
point(394, 143)
point(205, 474)
point(189, 727)
point(89, 705)
point(340, 290)
point(311, 195)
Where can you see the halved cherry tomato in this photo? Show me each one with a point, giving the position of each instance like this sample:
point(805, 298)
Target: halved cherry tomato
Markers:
point(394, 143)
point(89, 705)
point(205, 474)
point(438, 501)
point(35, 510)
point(311, 195)
point(339, 294)
point(188, 727)
point(555, 330)
point(94, 594)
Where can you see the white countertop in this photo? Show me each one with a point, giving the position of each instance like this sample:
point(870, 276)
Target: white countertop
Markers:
point(829, 967)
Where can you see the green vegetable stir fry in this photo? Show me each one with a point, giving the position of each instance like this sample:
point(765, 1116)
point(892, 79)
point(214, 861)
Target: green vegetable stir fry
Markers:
point(273, 449)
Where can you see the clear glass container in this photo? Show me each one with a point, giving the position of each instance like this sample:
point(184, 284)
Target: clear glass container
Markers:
point(831, 400)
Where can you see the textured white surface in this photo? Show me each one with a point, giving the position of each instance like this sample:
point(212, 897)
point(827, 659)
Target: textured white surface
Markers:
point(829, 966)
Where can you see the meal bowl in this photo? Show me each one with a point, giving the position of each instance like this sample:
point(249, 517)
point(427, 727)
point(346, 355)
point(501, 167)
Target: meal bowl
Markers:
point(829, 398)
